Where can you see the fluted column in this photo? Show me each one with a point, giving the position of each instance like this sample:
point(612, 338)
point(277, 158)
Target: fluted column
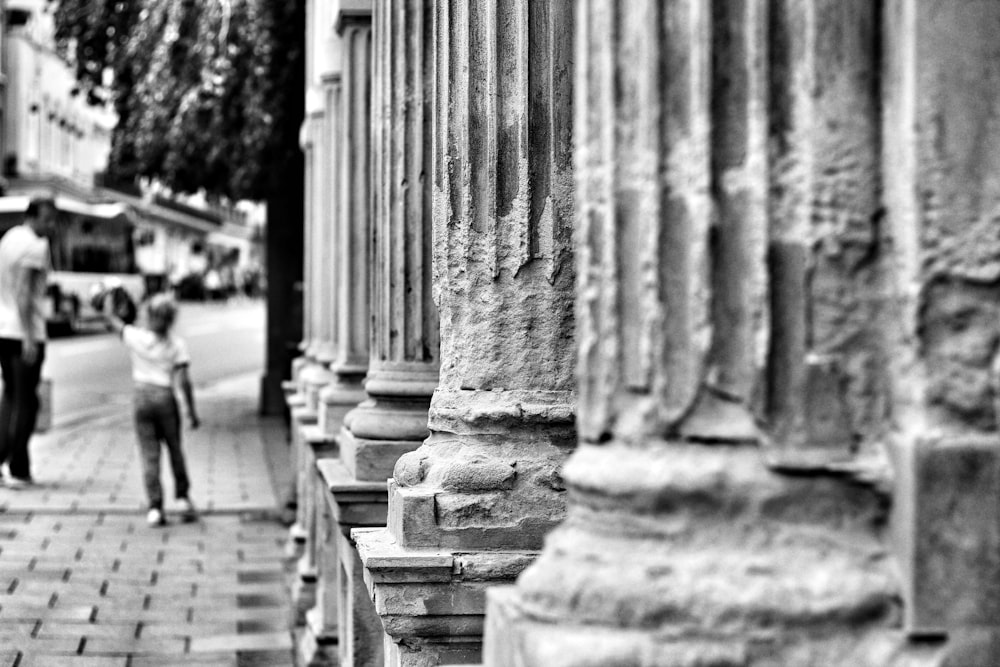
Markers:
point(728, 498)
point(501, 417)
point(352, 216)
point(941, 180)
point(318, 645)
point(312, 374)
point(311, 439)
point(403, 366)
point(403, 361)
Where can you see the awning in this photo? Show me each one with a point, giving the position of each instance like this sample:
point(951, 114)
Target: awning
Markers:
point(105, 211)
point(19, 204)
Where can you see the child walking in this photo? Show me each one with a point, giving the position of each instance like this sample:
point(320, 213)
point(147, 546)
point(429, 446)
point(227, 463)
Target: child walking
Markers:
point(159, 360)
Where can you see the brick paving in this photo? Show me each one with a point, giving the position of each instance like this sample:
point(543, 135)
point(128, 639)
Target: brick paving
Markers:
point(84, 580)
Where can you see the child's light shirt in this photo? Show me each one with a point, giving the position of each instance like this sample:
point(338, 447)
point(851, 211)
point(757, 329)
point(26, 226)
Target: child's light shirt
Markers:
point(154, 359)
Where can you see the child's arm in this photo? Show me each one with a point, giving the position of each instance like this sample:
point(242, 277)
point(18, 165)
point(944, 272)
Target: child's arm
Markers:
point(111, 320)
point(184, 379)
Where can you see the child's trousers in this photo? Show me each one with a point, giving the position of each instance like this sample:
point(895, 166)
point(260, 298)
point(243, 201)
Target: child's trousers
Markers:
point(158, 420)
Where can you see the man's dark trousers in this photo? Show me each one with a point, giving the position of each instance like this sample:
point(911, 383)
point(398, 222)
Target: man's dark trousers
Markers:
point(18, 405)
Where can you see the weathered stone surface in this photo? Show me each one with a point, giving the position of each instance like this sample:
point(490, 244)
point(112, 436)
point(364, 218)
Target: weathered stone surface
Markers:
point(728, 195)
point(941, 135)
point(372, 460)
point(514, 637)
point(680, 553)
point(432, 603)
point(503, 274)
point(948, 501)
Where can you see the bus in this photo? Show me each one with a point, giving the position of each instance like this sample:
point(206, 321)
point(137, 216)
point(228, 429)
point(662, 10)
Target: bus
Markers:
point(93, 245)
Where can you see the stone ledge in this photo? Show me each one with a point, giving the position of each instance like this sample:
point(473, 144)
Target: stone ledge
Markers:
point(372, 460)
point(318, 441)
point(433, 518)
point(421, 594)
point(352, 503)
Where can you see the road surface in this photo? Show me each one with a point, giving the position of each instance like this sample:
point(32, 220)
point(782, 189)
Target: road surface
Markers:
point(90, 370)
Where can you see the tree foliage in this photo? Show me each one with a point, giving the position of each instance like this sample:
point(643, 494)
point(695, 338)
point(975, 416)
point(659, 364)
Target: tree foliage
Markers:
point(208, 92)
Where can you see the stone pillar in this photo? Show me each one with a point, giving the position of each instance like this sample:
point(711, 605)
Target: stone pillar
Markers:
point(318, 643)
point(403, 362)
point(352, 214)
point(470, 506)
point(729, 497)
point(310, 374)
point(347, 261)
point(942, 185)
point(308, 438)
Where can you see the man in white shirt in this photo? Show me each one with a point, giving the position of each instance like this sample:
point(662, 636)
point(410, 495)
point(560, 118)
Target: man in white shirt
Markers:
point(24, 266)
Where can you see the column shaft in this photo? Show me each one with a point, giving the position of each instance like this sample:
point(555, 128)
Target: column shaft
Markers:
point(941, 138)
point(352, 215)
point(403, 367)
point(727, 169)
point(501, 418)
point(403, 362)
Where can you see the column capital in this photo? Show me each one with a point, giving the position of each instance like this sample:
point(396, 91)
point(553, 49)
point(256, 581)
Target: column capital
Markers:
point(348, 11)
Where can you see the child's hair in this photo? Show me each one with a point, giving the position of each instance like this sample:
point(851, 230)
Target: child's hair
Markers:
point(161, 311)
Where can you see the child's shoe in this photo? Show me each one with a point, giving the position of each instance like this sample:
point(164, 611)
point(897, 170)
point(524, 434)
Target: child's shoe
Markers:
point(188, 512)
point(19, 482)
point(155, 517)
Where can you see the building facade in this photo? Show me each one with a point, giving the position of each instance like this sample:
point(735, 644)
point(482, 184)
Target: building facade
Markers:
point(53, 140)
point(658, 333)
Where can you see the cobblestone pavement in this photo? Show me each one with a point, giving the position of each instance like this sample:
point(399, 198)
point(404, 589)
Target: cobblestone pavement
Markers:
point(84, 580)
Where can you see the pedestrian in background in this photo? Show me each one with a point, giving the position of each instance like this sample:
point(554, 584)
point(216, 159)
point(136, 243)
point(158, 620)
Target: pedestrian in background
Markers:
point(25, 262)
point(159, 361)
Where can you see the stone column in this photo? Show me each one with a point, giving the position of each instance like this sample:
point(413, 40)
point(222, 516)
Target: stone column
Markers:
point(942, 184)
point(729, 495)
point(308, 438)
point(311, 373)
point(352, 214)
point(348, 288)
point(320, 634)
point(470, 507)
point(403, 366)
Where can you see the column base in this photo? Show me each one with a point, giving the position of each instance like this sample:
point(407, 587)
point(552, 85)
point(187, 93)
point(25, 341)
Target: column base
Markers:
point(688, 554)
point(372, 460)
point(314, 378)
point(336, 400)
point(432, 603)
point(513, 637)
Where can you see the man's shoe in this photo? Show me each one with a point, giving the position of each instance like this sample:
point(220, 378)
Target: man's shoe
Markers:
point(19, 482)
point(155, 518)
point(188, 512)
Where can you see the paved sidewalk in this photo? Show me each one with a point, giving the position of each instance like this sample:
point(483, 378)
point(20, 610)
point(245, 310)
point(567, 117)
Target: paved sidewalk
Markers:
point(84, 580)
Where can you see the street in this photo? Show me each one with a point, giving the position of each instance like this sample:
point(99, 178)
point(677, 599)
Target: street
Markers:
point(90, 370)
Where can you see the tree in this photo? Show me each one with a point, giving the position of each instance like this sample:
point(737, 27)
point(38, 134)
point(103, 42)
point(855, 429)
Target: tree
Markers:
point(208, 93)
